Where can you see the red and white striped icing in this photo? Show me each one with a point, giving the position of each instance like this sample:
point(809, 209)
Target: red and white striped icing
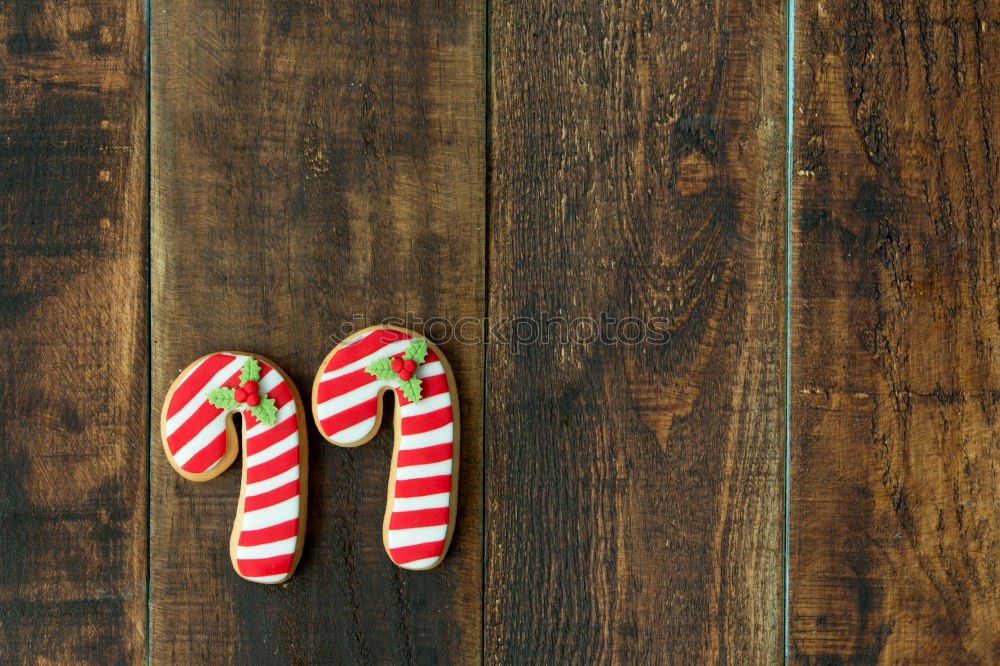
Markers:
point(194, 434)
point(346, 406)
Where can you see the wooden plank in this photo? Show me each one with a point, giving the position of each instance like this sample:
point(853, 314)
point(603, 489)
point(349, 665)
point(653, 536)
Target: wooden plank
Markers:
point(634, 502)
point(895, 320)
point(313, 161)
point(73, 372)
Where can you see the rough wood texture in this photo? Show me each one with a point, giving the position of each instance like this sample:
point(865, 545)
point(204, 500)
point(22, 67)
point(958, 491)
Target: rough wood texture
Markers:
point(312, 161)
point(73, 377)
point(634, 502)
point(895, 322)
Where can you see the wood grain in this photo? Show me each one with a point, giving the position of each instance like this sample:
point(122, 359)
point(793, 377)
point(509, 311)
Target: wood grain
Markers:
point(73, 372)
point(634, 502)
point(895, 321)
point(313, 161)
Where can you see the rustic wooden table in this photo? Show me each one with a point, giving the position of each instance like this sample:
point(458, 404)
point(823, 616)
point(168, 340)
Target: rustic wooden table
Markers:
point(281, 166)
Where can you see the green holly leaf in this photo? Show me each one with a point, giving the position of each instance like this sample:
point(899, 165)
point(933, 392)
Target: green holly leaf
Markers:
point(411, 389)
point(251, 371)
point(417, 350)
point(265, 412)
point(222, 398)
point(381, 369)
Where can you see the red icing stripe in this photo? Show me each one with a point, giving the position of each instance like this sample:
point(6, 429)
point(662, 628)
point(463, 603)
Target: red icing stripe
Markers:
point(272, 435)
point(431, 485)
point(429, 386)
point(279, 532)
point(267, 566)
point(188, 430)
point(368, 345)
point(424, 456)
point(413, 425)
point(203, 416)
point(417, 552)
point(281, 394)
point(434, 385)
point(272, 497)
point(338, 386)
point(195, 424)
point(350, 416)
point(332, 388)
point(234, 380)
point(402, 520)
point(196, 381)
point(275, 466)
point(208, 456)
point(199, 419)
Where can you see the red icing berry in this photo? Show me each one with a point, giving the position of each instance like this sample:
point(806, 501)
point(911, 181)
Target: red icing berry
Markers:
point(240, 395)
point(253, 399)
point(397, 365)
point(404, 375)
point(251, 387)
point(409, 365)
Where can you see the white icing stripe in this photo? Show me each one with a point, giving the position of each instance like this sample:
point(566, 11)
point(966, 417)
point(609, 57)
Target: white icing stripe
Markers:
point(385, 352)
point(358, 396)
point(267, 485)
point(442, 468)
point(426, 405)
point(269, 382)
point(416, 535)
point(430, 369)
point(350, 399)
point(355, 432)
point(273, 515)
point(217, 380)
point(217, 426)
point(273, 451)
point(421, 564)
point(194, 445)
point(286, 412)
point(267, 579)
point(442, 435)
point(439, 501)
point(283, 547)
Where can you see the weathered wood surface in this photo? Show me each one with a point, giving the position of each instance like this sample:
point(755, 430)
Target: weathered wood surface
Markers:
point(894, 417)
point(634, 492)
point(73, 377)
point(313, 161)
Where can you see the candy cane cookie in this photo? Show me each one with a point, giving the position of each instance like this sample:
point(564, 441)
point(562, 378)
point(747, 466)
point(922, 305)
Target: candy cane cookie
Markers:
point(423, 479)
point(200, 441)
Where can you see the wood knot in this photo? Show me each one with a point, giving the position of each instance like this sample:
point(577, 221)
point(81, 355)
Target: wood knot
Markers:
point(694, 174)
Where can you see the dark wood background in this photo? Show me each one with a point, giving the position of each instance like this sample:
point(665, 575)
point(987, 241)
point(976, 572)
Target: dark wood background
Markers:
point(190, 176)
